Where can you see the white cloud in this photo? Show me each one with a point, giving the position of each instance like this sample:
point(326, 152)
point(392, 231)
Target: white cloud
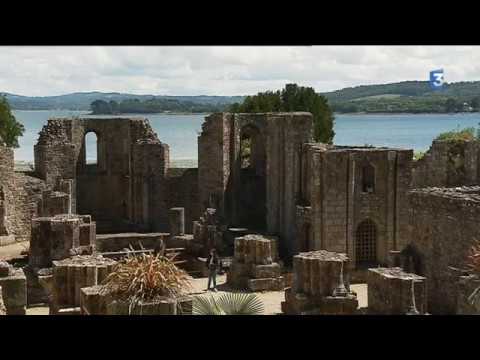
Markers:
point(41, 71)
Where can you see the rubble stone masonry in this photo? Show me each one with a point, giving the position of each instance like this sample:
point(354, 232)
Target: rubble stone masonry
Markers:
point(443, 227)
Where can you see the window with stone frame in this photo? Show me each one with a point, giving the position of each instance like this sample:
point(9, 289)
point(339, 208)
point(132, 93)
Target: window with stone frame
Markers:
point(368, 178)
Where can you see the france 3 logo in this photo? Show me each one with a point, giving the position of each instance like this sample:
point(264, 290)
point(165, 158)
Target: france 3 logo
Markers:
point(437, 79)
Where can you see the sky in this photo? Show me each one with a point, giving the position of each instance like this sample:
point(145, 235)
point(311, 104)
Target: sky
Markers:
point(224, 70)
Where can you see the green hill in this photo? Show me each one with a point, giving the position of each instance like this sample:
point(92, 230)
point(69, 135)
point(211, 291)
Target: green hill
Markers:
point(407, 96)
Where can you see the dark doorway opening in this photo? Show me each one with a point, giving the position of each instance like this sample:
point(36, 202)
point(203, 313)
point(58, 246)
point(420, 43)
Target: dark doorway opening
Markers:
point(251, 195)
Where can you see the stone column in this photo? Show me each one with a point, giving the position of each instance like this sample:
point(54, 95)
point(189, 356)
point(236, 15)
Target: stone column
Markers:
point(176, 218)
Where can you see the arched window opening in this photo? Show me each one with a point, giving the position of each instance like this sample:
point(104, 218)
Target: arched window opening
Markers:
point(91, 156)
point(366, 244)
point(246, 151)
point(368, 179)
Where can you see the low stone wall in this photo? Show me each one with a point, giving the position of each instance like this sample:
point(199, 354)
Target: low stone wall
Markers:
point(255, 264)
point(69, 276)
point(318, 285)
point(119, 242)
point(14, 289)
point(390, 291)
point(95, 301)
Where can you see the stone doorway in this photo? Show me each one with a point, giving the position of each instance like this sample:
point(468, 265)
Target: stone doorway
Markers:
point(366, 244)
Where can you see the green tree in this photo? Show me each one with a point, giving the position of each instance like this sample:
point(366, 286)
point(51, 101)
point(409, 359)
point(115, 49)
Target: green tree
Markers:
point(294, 98)
point(10, 128)
point(451, 105)
point(475, 103)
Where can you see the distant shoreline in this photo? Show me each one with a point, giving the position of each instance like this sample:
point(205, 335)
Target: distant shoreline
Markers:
point(405, 113)
point(207, 113)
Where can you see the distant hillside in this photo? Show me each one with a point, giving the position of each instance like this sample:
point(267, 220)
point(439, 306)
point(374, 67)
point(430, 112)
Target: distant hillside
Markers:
point(82, 100)
point(407, 96)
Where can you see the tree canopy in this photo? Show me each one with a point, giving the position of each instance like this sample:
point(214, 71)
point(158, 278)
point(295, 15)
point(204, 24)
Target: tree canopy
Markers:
point(10, 128)
point(294, 98)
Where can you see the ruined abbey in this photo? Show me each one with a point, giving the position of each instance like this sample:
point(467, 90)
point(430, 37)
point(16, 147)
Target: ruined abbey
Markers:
point(361, 214)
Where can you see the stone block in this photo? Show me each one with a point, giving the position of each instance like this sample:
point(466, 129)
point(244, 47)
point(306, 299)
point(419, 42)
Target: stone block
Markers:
point(176, 218)
point(14, 288)
point(390, 291)
point(266, 271)
point(180, 241)
point(4, 269)
point(164, 306)
point(3, 310)
point(92, 302)
point(266, 284)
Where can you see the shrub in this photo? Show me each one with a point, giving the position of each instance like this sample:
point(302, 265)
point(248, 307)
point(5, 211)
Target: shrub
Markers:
point(146, 278)
point(466, 134)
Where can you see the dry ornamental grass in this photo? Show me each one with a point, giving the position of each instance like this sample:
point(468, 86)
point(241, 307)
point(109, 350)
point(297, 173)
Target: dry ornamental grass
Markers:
point(145, 278)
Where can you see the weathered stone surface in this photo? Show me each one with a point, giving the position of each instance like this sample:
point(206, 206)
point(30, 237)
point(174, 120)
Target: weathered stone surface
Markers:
point(57, 237)
point(447, 164)
point(121, 241)
point(14, 289)
point(465, 288)
point(4, 268)
point(318, 285)
point(176, 217)
point(345, 187)
point(263, 194)
point(73, 274)
point(266, 284)
point(389, 291)
point(254, 264)
point(3, 310)
point(443, 228)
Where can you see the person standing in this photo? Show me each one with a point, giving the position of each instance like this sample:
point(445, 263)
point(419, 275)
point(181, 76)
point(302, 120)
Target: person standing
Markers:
point(212, 263)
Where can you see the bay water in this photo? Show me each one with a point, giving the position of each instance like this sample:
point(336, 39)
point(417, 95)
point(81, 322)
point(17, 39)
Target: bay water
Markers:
point(180, 132)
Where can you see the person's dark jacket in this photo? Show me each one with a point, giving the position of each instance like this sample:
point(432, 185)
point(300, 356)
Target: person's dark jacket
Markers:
point(216, 262)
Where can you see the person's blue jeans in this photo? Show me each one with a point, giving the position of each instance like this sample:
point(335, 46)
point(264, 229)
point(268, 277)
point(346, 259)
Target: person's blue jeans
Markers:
point(212, 275)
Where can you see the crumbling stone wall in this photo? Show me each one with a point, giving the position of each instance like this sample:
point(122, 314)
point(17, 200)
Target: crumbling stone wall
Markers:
point(182, 187)
point(126, 189)
point(7, 187)
point(443, 227)
point(448, 163)
point(335, 198)
point(22, 197)
point(223, 183)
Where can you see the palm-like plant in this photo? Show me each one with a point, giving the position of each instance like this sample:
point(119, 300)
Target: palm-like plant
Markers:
point(228, 304)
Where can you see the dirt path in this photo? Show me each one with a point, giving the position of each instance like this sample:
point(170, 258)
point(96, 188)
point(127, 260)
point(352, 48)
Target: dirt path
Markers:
point(13, 251)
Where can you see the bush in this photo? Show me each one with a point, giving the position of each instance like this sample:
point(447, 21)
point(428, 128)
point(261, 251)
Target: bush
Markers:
point(417, 155)
point(466, 134)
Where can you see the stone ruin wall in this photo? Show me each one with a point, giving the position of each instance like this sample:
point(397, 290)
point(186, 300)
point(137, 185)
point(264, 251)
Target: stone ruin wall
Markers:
point(333, 203)
point(7, 188)
point(448, 163)
point(22, 197)
point(443, 227)
point(182, 184)
point(128, 181)
point(219, 173)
